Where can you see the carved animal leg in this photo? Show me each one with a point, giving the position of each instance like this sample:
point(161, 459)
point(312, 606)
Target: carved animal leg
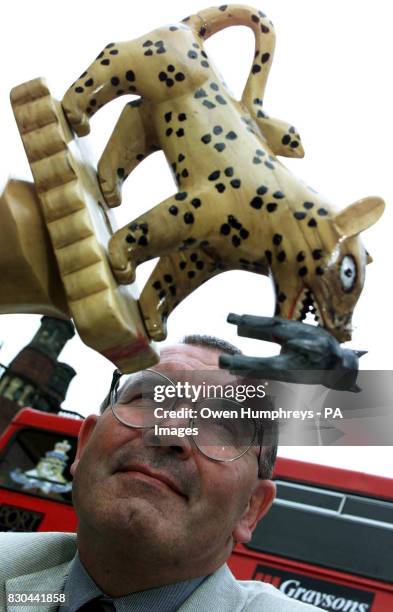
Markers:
point(174, 278)
point(172, 224)
point(132, 139)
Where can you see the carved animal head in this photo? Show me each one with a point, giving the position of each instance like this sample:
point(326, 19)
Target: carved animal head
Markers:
point(328, 268)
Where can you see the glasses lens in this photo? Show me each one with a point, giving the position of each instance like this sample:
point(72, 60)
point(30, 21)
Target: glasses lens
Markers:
point(223, 439)
point(135, 398)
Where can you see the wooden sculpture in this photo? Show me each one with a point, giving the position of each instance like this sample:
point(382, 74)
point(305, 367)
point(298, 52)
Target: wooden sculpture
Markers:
point(236, 206)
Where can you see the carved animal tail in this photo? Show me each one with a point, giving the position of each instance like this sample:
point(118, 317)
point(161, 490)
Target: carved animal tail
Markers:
point(212, 20)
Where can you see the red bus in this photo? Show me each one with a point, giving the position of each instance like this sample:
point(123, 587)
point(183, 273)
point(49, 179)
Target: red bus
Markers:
point(327, 540)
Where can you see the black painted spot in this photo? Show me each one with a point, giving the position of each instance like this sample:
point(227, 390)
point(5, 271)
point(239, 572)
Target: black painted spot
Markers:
point(120, 173)
point(308, 205)
point(171, 68)
point(206, 138)
point(142, 241)
point(256, 160)
point(256, 202)
point(202, 31)
point(262, 190)
point(184, 173)
point(269, 165)
point(244, 233)
point(208, 104)
point(172, 289)
point(200, 264)
point(196, 202)
point(193, 256)
point(220, 187)
point(130, 75)
point(319, 271)
point(277, 239)
point(181, 196)
point(115, 81)
point(220, 99)
point(281, 297)
point(140, 156)
point(89, 82)
point(180, 76)
point(182, 116)
point(105, 62)
point(214, 175)
point(256, 68)
point(219, 146)
point(225, 229)
point(162, 294)
point(231, 135)
point(217, 130)
point(278, 195)
point(299, 215)
point(180, 132)
point(265, 58)
point(236, 241)
point(182, 265)
point(181, 157)
point(147, 43)
point(271, 207)
point(294, 144)
point(233, 222)
point(191, 274)
point(300, 256)
point(157, 285)
point(264, 29)
point(168, 132)
point(281, 256)
point(162, 76)
point(228, 171)
point(188, 218)
point(168, 116)
point(192, 54)
point(236, 183)
point(322, 212)
point(214, 86)
point(286, 139)
point(93, 102)
point(302, 271)
point(200, 93)
point(173, 210)
point(205, 64)
point(255, 18)
point(79, 89)
point(130, 238)
point(170, 82)
point(148, 52)
point(312, 223)
point(269, 256)
point(317, 254)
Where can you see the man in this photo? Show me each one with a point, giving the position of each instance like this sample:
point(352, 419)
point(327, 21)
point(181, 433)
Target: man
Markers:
point(156, 523)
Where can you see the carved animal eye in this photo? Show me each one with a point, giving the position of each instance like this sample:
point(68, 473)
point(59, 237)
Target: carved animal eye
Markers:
point(348, 272)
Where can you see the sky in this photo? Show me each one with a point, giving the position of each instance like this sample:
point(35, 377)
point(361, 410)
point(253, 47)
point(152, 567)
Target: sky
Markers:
point(330, 77)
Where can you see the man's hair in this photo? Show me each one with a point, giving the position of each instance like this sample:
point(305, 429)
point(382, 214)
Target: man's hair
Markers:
point(270, 435)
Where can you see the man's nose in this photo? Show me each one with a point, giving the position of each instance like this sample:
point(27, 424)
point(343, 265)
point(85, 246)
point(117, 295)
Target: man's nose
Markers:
point(159, 436)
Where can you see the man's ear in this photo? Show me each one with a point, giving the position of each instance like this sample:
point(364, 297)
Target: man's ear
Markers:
point(85, 432)
point(259, 503)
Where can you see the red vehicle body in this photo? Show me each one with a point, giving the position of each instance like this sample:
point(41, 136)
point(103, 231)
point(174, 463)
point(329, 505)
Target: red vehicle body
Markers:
point(328, 539)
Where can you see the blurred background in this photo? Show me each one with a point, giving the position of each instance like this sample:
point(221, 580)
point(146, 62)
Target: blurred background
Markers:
point(330, 78)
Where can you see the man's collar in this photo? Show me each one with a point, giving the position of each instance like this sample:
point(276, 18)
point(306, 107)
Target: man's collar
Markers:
point(81, 588)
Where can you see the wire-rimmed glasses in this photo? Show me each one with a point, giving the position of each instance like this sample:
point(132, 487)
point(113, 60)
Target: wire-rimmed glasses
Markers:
point(219, 438)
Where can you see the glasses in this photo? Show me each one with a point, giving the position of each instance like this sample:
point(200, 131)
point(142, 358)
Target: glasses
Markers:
point(145, 402)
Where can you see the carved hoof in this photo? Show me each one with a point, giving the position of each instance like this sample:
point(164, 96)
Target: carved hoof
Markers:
point(111, 193)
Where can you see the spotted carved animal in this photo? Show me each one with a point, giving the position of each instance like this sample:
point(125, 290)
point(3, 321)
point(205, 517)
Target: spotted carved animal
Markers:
point(236, 206)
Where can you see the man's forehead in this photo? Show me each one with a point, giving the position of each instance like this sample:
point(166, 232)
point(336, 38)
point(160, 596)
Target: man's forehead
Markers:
point(188, 357)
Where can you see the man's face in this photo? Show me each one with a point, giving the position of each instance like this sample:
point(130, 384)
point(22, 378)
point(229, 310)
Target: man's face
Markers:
point(172, 500)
